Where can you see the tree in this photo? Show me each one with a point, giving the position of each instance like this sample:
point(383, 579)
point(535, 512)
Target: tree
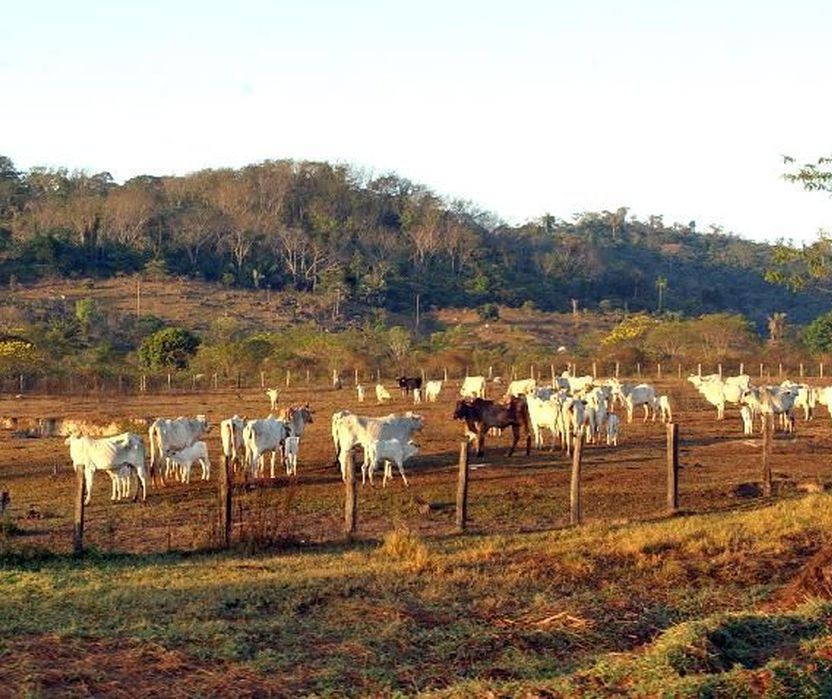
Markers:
point(796, 268)
point(818, 337)
point(661, 286)
point(168, 348)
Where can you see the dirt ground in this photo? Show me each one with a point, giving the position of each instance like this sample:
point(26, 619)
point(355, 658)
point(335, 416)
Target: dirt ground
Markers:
point(720, 468)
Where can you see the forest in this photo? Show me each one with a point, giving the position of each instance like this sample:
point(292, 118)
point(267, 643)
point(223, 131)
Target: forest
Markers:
point(379, 241)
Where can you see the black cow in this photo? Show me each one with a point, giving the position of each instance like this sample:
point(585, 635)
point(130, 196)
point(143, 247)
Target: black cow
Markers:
point(409, 383)
point(480, 415)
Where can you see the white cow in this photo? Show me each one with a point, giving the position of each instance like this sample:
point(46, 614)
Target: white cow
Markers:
point(718, 391)
point(473, 387)
point(613, 426)
point(382, 394)
point(772, 400)
point(172, 435)
point(298, 417)
point(545, 414)
point(109, 454)
point(231, 434)
point(360, 391)
point(260, 437)
point(807, 398)
point(633, 396)
point(747, 415)
point(521, 387)
point(432, 389)
point(350, 430)
point(662, 406)
point(576, 384)
point(273, 394)
point(290, 456)
point(184, 459)
point(389, 450)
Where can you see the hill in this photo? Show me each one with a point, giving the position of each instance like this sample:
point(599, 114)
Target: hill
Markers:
point(378, 242)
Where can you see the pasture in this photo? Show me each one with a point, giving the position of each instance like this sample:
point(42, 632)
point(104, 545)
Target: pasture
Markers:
point(520, 604)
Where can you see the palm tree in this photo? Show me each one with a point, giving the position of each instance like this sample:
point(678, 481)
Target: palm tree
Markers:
point(661, 286)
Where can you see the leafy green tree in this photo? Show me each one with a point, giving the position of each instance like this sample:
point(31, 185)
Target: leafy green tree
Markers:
point(818, 337)
point(168, 348)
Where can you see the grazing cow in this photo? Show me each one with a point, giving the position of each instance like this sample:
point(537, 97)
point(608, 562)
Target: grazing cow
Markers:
point(662, 406)
point(360, 390)
point(521, 387)
point(388, 450)
point(172, 435)
point(718, 391)
point(260, 437)
point(290, 456)
point(350, 430)
point(613, 424)
point(183, 460)
point(432, 389)
point(273, 394)
point(382, 394)
point(473, 387)
point(109, 454)
point(409, 383)
point(480, 415)
point(231, 434)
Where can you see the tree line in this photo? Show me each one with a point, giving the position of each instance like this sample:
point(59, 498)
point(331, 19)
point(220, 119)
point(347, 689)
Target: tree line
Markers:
point(378, 240)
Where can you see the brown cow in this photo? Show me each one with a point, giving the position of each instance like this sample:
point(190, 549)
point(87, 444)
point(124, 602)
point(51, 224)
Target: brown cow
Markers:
point(480, 415)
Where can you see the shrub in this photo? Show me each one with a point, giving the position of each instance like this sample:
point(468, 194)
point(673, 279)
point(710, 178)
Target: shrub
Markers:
point(170, 347)
point(489, 311)
point(818, 337)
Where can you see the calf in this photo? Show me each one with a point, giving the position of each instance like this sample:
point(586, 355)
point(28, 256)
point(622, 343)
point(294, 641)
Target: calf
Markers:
point(184, 459)
point(388, 450)
point(432, 389)
point(382, 394)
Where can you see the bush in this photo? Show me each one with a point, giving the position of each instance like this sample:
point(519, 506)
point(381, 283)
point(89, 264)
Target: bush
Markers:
point(170, 347)
point(818, 337)
point(489, 311)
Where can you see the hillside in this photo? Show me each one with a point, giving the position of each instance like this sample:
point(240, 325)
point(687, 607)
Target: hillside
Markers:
point(377, 242)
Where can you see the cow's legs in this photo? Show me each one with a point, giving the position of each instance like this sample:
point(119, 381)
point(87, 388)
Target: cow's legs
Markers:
point(480, 439)
point(515, 437)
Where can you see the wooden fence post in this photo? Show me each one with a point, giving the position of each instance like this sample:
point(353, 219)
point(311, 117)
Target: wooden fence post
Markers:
point(80, 495)
point(801, 370)
point(462, 489)
point(672, 467)
point(768, 436)
point(445, 372)
point(659, 370)
point(575, 483)
point(617, 367)
point(679, 370)
point(594, 370)
point(699, 370)
point(742, 368)
point(168, 381)
point(820, 368)
point(225, 482)
point(288, 378)
point(780, 370)
point(350, 497)
point(719, 370)
point(761, 370)
point(638, 369)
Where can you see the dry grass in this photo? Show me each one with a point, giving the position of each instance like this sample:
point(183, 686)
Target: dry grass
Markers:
point(521, 605)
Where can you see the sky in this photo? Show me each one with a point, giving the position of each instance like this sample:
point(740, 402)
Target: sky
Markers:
point(683, 109)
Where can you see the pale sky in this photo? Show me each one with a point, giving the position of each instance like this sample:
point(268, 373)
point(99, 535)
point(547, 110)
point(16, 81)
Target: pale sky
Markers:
point(676, 108)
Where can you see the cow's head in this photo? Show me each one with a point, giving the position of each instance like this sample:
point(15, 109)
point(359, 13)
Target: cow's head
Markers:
point(409, 450)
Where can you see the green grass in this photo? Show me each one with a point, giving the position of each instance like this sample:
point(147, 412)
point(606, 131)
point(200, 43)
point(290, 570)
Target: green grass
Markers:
point(663, 608)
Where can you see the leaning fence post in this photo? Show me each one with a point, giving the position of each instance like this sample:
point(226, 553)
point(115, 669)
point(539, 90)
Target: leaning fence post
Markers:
point(350, 497)
point(225, 501)
point(672, 467)
point(575, 483)
point(462, 489)
point(80, 495)
point(768, 436)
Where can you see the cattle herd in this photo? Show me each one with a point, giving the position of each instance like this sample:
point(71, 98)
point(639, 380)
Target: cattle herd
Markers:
point(569, 407)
